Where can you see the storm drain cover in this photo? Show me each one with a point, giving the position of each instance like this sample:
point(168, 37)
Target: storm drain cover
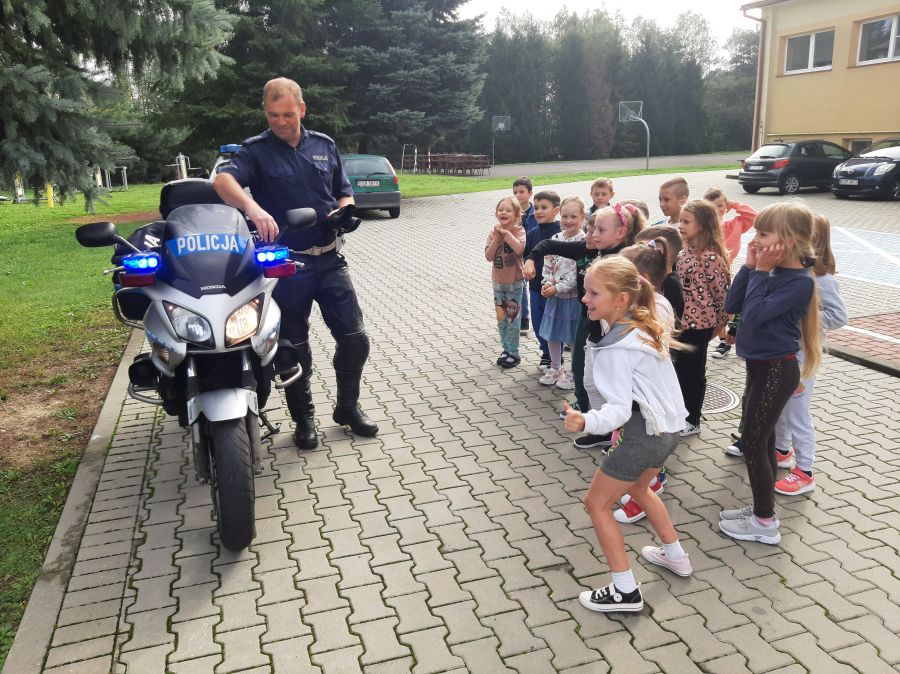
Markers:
point(719, 399)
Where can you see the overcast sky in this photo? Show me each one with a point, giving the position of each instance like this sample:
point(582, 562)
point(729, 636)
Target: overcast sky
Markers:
point(723, 15)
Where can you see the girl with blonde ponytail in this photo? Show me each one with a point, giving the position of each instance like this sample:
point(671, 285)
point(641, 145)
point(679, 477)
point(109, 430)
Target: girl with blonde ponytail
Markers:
point(634, 395)
point(776, 296)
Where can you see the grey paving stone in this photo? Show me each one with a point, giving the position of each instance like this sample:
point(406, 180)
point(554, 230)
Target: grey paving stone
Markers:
point(278, 586)
point(341, 660)
point(205, 665)
point(195, 601)
point(291, 655)
point(146, 661)
point(331, 630)
point(92, 666)
point(621, 656)
point(431, 651)
point(149, 629)
point(238, 611)
point(195, 639)
point(380, 641)
point(413, 611)
point(283, 621)
point(481, 657)
point(241, 648)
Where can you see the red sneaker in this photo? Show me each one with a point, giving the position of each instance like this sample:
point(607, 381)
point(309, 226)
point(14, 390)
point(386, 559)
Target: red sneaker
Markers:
point(630, 512)
point(785, 459)
point(797, 482)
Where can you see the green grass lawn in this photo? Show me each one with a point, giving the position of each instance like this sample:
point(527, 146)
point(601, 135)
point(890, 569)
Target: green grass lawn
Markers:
point(58, 336)
point(421, 185)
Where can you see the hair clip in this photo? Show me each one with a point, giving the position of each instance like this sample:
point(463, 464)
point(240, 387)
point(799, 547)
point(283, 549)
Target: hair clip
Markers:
point(807, 261)
point(618, 209)
point(652, 243)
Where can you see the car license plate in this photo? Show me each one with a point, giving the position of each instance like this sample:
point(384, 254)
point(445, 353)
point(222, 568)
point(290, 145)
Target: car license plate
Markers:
point(368, 183)
point(848, 181)
point(756, 168)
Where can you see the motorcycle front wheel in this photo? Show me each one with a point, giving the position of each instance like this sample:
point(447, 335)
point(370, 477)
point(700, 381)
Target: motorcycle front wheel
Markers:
point(231, 470)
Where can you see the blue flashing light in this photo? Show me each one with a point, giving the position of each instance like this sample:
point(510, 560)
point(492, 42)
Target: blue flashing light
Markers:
point(141, 263)
point(231, 148)
point(268, 256)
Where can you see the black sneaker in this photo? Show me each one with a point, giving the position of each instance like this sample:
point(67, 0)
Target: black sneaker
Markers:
point(721, 350)
point(526, 324)
point(588, 440)
point(545, 363)
point(608, 599)
point(734, 449)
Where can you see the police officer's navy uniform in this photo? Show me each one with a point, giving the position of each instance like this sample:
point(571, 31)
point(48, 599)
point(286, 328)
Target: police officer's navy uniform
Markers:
point(281, 178)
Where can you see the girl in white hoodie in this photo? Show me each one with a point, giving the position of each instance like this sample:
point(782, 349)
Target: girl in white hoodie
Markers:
point(639, 400)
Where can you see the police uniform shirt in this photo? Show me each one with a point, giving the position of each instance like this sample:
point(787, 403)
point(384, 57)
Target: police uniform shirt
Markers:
point(281, 178)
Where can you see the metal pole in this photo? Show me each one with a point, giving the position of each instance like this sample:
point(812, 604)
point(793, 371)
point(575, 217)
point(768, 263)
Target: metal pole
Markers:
point(493, 138)
point(647, 129)
point(402, 157)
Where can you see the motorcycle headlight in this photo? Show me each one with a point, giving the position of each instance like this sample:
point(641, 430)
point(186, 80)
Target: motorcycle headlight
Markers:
point(881, 169)
point(189, 326)
point(243, 322)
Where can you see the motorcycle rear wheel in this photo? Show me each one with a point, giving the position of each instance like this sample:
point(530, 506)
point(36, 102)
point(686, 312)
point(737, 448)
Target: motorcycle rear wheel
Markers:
point(231, 469)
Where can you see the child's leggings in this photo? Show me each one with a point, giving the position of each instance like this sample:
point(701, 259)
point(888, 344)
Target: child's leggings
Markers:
point(795, 427)
point(770, 384)
point(577, 362)
point(690, 367)
point(508, 325)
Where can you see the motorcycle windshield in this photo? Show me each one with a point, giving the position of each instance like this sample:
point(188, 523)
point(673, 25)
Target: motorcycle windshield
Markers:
point(207, 249)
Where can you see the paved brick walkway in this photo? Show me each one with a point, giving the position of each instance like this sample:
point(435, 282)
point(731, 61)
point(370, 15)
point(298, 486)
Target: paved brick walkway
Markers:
point(456, 541)
point(874, 338)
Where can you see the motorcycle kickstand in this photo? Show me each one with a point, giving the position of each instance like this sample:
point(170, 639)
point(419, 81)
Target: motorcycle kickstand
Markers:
point(271, 429)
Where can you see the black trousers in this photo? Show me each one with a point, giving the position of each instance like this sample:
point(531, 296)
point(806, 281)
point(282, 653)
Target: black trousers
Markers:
point(325, 280)
point(690, 367)
point(770, 384)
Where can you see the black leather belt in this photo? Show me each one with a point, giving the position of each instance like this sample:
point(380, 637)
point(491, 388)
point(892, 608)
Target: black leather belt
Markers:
point(316, 250)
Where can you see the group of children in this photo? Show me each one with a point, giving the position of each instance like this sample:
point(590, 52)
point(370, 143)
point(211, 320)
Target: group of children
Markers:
point(638, 307)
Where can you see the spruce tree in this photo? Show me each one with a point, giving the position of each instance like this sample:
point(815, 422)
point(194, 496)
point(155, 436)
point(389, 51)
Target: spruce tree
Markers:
point(58, 60)
point(518, 84)
point(416, 74)
point(272, 38)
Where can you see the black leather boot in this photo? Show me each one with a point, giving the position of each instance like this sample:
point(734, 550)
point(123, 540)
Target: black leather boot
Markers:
point(299, 401)
point(348, 412)
point(305, 436)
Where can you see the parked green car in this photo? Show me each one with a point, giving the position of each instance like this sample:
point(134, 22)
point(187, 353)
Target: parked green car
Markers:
point(374, 182)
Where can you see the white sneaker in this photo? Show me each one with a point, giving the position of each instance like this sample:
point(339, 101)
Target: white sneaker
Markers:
point(690, 429)
point(567, 381)
point(551, 376)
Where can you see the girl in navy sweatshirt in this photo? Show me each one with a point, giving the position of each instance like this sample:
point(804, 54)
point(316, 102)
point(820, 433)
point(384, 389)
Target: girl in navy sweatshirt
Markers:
point(776, 295)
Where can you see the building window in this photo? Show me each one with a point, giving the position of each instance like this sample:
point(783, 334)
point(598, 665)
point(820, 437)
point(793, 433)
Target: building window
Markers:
point(809, 52)
point(879, 40)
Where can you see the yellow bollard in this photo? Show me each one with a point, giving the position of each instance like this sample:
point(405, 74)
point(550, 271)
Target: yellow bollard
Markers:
point(50, 203)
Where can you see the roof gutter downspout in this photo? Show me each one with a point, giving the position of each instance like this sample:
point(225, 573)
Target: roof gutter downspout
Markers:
point(759, 78)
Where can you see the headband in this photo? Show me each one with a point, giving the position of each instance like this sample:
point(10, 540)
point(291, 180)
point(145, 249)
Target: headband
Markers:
point(618, 209)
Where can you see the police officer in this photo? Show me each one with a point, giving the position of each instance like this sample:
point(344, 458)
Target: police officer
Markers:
point(287, 167)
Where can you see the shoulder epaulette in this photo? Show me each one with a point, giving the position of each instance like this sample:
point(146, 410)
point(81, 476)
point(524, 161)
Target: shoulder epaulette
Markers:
point(255, 139)
point(316, 134)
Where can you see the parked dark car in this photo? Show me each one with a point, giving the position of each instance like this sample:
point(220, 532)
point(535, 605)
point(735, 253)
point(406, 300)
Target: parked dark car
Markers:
point(790, 166)
point(875, 172)
point(374, 182)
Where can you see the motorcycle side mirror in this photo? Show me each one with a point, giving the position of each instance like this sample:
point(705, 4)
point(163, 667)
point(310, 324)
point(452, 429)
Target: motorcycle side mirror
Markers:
point(97, 234)
point(301, 218)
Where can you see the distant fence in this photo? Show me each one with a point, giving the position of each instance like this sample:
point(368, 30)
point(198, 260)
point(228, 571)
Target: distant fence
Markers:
point(448, 164)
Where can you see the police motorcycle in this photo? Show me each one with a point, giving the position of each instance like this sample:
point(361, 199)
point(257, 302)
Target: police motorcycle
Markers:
point(200, 287)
